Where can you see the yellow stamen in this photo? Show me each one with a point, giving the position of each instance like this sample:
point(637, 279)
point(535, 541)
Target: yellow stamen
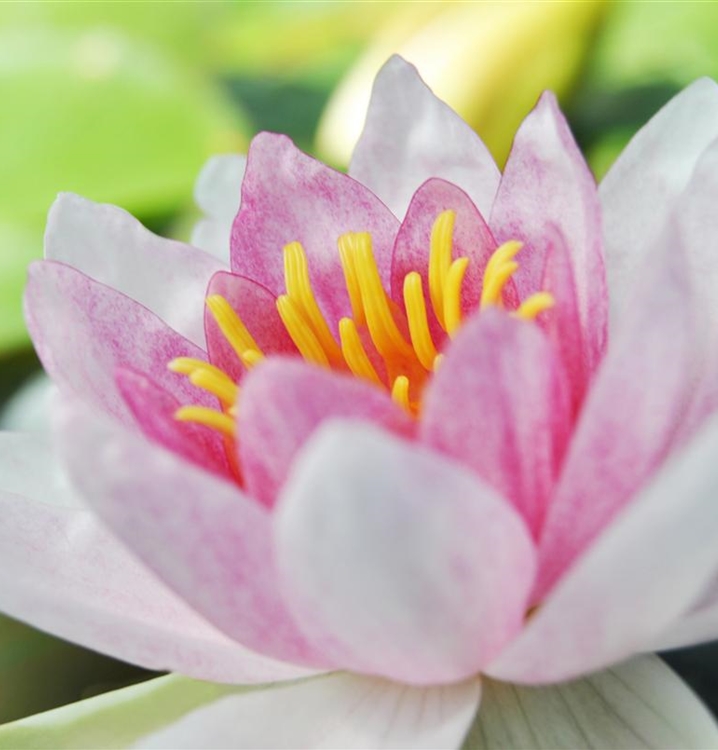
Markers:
point(299, 290)
point(383, 329)
point(300, 331)
point(418, 325)
point(535, 305)
point(251, 357)
point(230, 324)
point(400, 391)
point(346, 254)
point(437, 362)
point(440, 260)
point(452, 294)
point(206, 376)
point(354, 353)
point(500, 268)
point(215, 420)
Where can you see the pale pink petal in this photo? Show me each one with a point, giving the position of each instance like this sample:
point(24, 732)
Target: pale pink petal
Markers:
point(641, 575)
point(642, 186)
point(61, 572)
point(283, 403)
point(112, 247)
point(217, 193)
point(333, 711)
point(287, 196)
point(204, 537)
point(630, 421)
point(154, 409)
point(546, 183)
point(83, 331)
point(499, 403)
point(410, 135)
point(257, 309)
point(397, 561)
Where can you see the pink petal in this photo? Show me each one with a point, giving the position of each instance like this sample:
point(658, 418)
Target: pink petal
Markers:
point(641, 574)
point(283, 403)
point(287, 196)
point(108, 245)
point(257, 309)
point(410, 136)
point(630, 421)
point(646, 180)
point(202, 536)
point(499, 404)
point(397, 561)
point(83, 331)
point(546, 183)
point(154, 409)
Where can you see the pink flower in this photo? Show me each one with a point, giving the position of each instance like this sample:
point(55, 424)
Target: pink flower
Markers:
point(410, 449)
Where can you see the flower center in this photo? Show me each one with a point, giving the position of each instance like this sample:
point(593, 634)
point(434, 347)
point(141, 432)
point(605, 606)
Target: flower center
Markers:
point(391, 347)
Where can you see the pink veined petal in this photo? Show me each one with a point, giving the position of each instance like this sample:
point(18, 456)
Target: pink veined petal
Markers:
point(217, 193)
point(112, 247)
point(285, 401)
point(154, 409)
point(547, 182)
point(648, 178)
point(410, 136)
point(472, 239)
point(257, 309)
point(398, 562)
point(499, 403)
point(83, 331)
point(334, 711)
point(204, 538)
point(631, 419)
point(287, 196)
point(641, 575)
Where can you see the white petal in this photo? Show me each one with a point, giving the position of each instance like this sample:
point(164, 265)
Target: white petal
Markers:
point(28, 408)
point(337, 711)
point(217, 193)
point(398, 561)
point(639, 191)
point(647, 569)
point(638, 704)
point(410, 135)
point(107, 244)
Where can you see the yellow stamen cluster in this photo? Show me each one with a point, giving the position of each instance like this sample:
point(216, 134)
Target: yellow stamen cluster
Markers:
point(391, 347)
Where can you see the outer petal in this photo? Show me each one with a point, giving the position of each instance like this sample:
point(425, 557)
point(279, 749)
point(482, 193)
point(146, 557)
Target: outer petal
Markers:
point(500, 404)
point(287, 196)
point(62, 572)
point(397, 561)
point(112, 247)
point(217, 193)
point(639, 704)
point(284, 402)
point(84, 330)
point(336, 711)
point(648, 177)
point(410, 136)
point(641, 574)
point(546, 183)
point(630, 422)
point(204, 537)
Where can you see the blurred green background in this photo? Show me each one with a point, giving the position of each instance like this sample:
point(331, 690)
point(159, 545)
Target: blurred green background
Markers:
point(124, 101)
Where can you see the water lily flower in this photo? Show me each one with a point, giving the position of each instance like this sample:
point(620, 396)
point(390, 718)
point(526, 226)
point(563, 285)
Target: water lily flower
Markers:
point(431, 436)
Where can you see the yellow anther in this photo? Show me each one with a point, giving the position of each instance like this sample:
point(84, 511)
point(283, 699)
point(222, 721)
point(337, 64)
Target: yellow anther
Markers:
point(452, 294)
point(418, 324)
point(500, 268)
point(354, 353)
point(299, 290)
point(437, 362)
point(400, 391)
point(230, 324)
point(215, 420)
point(383, 329)
point(300, 331)
point(440, 260)
point(187, 365)
point(535, 305)
point(251, 357)
point(218, 385)
point(346, 255)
